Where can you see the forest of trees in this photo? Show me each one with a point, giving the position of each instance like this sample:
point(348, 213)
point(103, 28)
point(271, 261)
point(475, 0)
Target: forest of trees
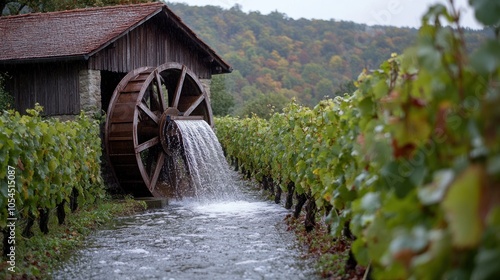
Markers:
point(275, 58)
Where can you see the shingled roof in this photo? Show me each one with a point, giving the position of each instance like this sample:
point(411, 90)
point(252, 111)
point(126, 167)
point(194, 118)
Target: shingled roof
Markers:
point(80, 33)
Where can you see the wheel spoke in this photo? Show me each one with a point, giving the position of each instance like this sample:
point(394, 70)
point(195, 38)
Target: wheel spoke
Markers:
point(178, 89)
point(148, 112)
point(194, 105)
point(148, 144)
point(156, 174)
point(161, 93)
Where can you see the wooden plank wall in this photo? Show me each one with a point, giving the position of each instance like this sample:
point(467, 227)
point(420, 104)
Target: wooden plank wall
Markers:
point(52, 85)
point(153, 43)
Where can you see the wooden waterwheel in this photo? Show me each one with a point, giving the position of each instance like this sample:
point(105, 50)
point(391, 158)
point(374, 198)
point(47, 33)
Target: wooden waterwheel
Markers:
point(140, 134)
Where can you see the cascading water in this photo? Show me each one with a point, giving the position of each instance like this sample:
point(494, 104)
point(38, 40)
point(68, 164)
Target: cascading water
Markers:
point(206, 166)
point(234, 235)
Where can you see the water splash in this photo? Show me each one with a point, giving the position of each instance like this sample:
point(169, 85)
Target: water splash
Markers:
point(209, 174)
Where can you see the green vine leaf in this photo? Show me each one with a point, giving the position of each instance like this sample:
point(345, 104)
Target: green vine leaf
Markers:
point(461, 206)
point(487, 58)
point(487, 11)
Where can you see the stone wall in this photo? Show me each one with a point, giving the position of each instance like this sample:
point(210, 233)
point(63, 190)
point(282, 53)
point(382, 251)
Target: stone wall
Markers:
point(90, 91)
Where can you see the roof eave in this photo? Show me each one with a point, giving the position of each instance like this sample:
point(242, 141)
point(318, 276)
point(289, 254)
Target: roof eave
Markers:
point(79, 57)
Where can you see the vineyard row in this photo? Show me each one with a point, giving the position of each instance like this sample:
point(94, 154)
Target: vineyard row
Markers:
point(46, 164)
point(409, 162)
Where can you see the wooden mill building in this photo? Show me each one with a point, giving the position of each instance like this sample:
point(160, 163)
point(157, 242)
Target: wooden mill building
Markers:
point(70, 61)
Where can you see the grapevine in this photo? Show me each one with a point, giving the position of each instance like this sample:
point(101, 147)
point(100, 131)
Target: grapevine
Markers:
point(53, 161)
point(410, 160)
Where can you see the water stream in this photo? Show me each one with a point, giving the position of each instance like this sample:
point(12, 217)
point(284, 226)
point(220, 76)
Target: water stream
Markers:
point(234, 234)
point(241, 239)
point(209, 171)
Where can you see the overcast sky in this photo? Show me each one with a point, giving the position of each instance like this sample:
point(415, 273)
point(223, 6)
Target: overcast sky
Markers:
point(402, 13)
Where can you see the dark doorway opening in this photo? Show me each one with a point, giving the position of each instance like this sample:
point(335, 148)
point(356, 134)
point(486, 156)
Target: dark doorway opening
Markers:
point(109, 81)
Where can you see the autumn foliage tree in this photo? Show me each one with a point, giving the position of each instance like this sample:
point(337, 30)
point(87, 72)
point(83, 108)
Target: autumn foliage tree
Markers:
point(308, 60)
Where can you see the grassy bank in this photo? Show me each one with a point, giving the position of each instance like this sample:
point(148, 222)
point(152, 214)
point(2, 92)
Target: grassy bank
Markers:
point(331, 255)
point(37, 256)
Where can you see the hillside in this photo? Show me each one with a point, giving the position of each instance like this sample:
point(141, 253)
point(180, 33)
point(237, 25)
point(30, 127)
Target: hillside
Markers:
point(276, 58)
